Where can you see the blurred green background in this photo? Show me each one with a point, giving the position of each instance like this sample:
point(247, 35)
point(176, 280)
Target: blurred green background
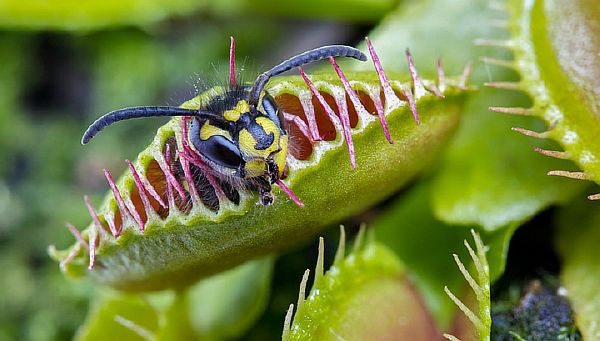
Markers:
point(64, 63)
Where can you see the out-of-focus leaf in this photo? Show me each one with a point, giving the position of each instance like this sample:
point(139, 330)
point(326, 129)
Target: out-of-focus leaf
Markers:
point(578, 241)
point(490, 175)
point(425, 245)
point(218, 308)
point(349, 10)
point(71, 15)
point(18, 281)
point(90, 14)
point(222, 307)
point(120, 317)
point(14, 128)
point(431, 29)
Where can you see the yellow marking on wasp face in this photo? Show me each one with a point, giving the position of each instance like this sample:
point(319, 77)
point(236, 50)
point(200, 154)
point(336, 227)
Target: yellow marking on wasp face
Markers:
point(270, 127)
point(234, 114)
point(277, 150)
point(280, 157)
point(255, 167)
point(247, 142)
point(209, 130)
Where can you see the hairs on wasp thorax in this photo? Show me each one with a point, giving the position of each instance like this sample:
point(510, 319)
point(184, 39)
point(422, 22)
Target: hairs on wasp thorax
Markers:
point(237, 137)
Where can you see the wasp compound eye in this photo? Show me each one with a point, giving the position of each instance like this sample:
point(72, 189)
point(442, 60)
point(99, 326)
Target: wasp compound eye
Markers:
point(270, 109)
point(215, 144)
point(219, 150)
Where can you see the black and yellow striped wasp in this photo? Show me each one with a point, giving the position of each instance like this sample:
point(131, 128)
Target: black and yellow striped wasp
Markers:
point(239, 132)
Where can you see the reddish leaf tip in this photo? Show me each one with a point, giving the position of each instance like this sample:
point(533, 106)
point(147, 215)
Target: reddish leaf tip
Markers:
point(232, 81)
point(530, 133)
point(384, 82)
point(289, 192)
point(124, 209)
point(96, 219)
point(75, 232)
point(513, 110)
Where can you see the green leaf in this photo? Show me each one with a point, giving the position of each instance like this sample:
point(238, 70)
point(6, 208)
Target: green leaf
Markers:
point(425, 245)
point(224, 306)
point(363, 296)
point(221, 307)
point(348, 10)
point(556, 46)
point(480, 286)
point(578, 239)
point(90, 14)
point(120, 317)
point(177, 249)
point(490, 175)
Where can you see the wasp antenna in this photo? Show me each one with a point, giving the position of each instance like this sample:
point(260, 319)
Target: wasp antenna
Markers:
point(232, 82)
point(301, 59)
point(139, 112)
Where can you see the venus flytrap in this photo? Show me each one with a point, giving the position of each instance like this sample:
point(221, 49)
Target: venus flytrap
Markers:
point(555, 47)
point(169, 220)
point(484, 159)
point(364, 295)
point(481, 287)
point(164, 226)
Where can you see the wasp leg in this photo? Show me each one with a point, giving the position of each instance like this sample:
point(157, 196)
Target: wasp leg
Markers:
point(263, 186)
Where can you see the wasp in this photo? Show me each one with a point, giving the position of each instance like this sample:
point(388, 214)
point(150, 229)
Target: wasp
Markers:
point(239, 131)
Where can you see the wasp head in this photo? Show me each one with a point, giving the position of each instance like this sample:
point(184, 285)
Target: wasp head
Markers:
point(247, 142)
